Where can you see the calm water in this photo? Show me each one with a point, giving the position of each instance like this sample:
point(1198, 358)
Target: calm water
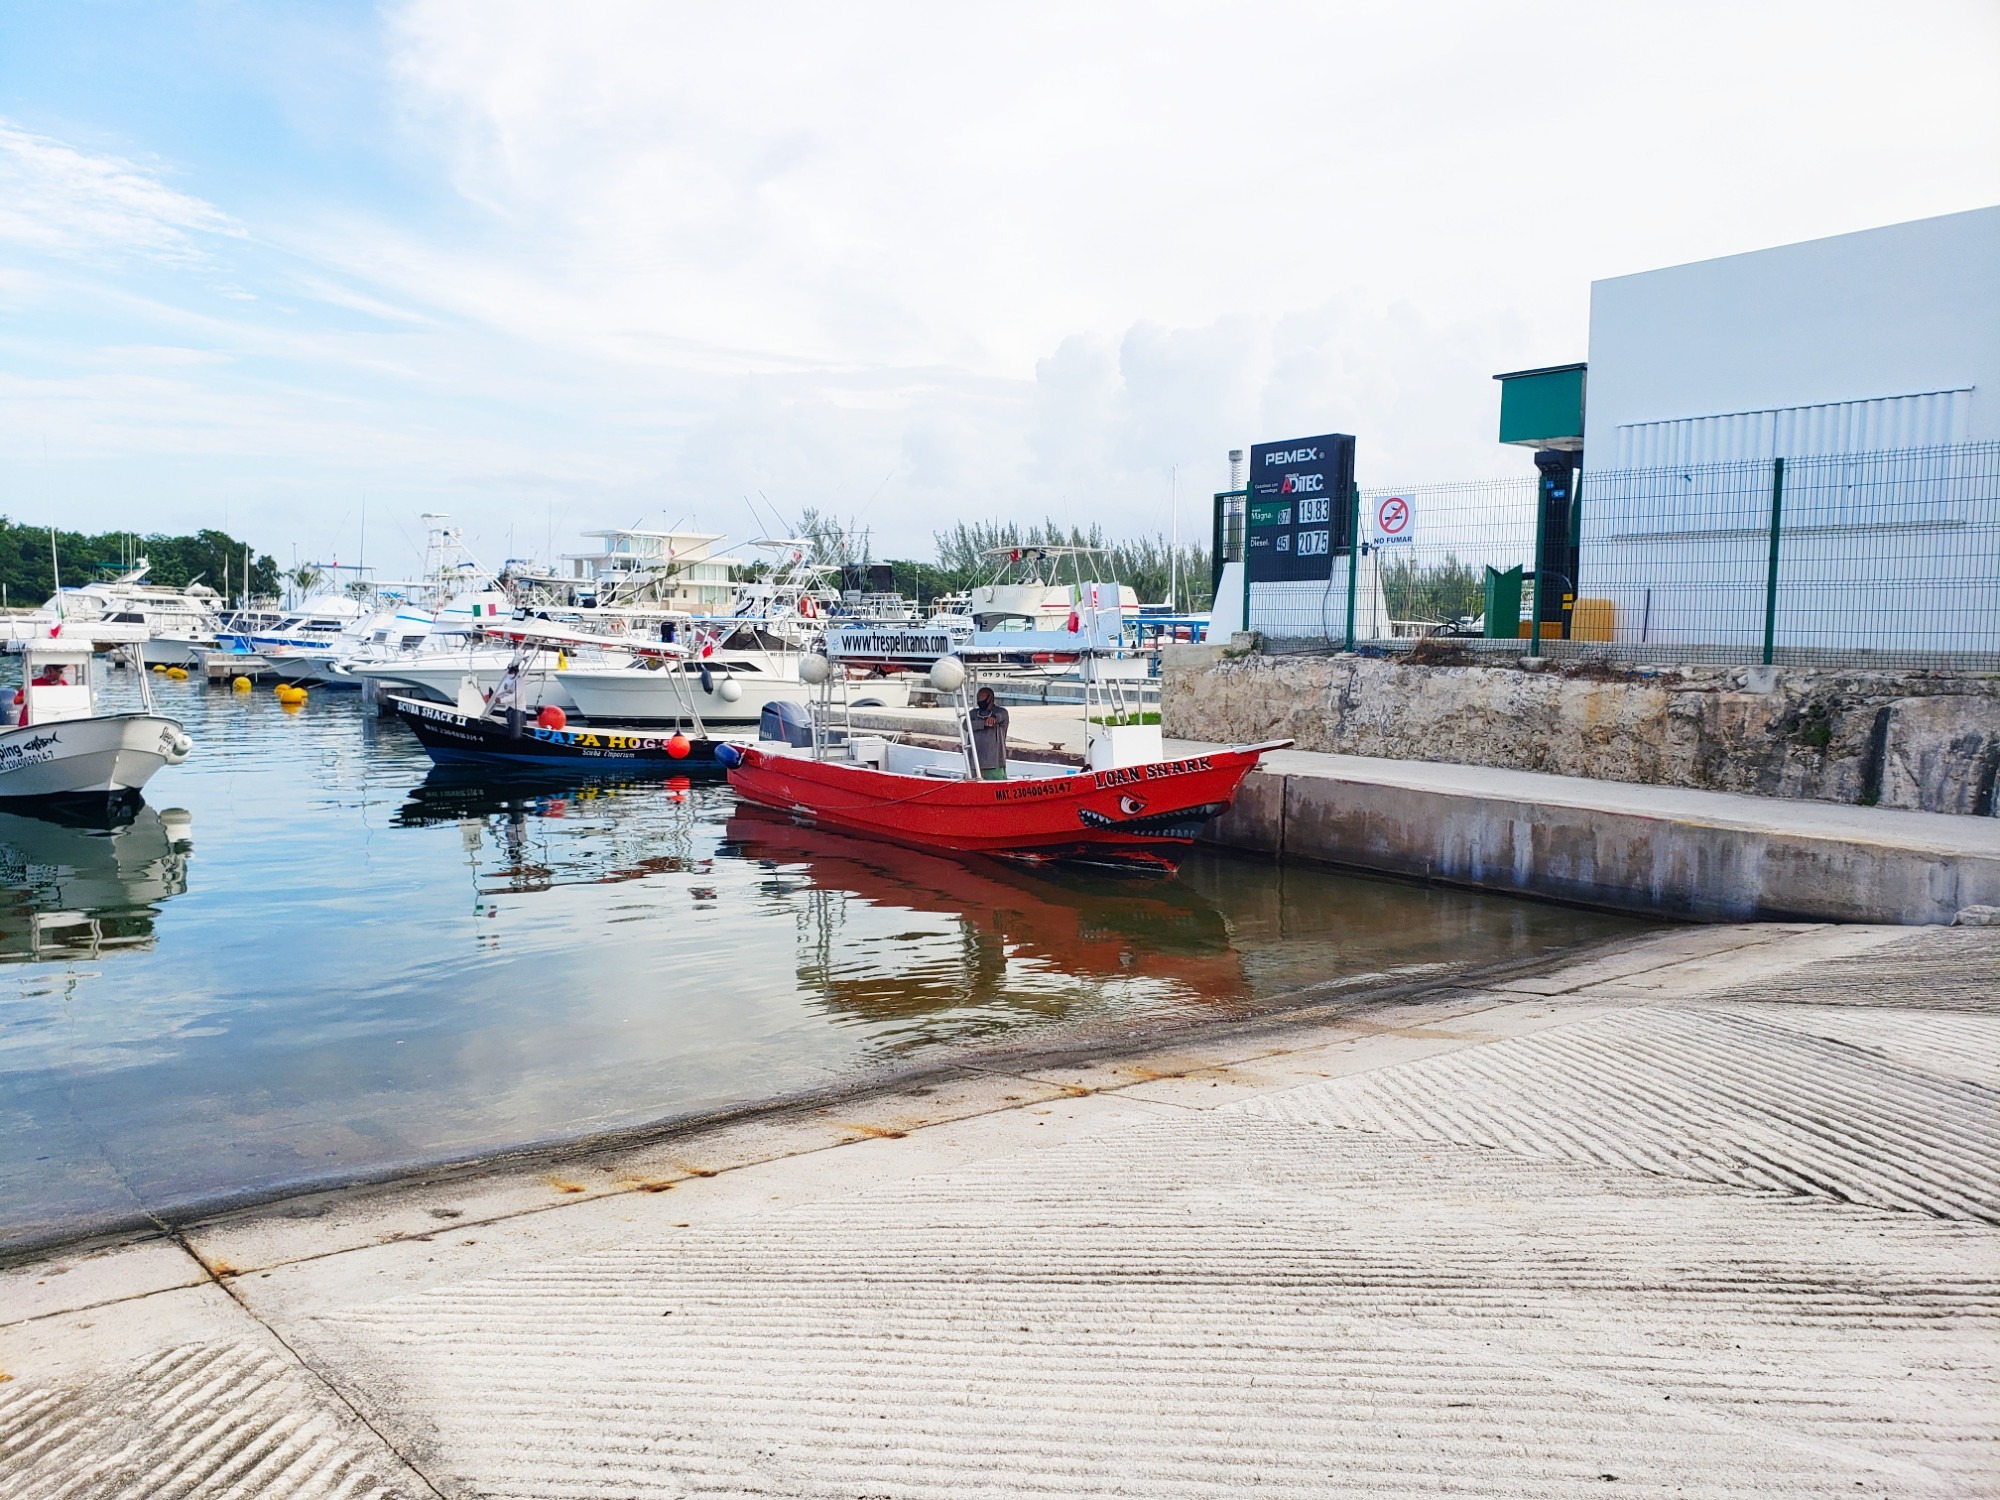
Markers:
point(310, 957)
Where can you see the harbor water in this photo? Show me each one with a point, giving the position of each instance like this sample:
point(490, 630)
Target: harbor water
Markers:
point(310, 959)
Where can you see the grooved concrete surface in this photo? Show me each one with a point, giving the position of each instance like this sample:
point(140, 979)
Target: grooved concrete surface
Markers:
point(1714, 1213)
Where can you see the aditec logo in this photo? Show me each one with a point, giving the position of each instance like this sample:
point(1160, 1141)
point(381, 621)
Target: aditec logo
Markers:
point(1302, 484)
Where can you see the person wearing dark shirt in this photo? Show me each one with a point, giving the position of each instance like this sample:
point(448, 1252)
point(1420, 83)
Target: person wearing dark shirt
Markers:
point(505, 702)
point(989, 736)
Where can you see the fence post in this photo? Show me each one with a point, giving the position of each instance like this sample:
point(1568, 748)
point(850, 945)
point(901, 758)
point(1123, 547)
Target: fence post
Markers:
point(1541, 535)
point(1218, 552)
point(1353, 555)
point(1249, 486)
point(1771, 577)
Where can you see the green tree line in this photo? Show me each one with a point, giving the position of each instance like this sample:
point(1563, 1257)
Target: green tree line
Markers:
point(1433, 591)
point(28, 574)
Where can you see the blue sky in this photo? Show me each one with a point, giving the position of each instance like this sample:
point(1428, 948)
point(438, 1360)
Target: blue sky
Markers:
point(556, 267)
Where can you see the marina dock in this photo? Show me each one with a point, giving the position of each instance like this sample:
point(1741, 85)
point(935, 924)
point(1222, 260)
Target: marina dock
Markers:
point(1712, 1210)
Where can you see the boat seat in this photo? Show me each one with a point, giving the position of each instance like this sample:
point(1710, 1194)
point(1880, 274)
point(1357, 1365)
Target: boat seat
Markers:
point(943, 773)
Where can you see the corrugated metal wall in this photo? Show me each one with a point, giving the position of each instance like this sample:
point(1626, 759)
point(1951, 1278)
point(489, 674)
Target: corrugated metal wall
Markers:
point(1928, 419)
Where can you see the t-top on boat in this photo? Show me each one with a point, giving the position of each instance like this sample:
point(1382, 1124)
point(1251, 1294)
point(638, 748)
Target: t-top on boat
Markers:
point(479, 729)
point(1128, 807)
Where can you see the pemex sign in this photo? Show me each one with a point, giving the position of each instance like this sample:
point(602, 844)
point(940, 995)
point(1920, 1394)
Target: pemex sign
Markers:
point(1298, 507)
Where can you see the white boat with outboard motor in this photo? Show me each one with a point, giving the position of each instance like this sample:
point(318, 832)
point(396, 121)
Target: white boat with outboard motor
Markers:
point(1125, 807)
point(57, 749)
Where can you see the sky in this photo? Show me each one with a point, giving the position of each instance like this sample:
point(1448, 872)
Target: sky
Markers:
point(306, 271)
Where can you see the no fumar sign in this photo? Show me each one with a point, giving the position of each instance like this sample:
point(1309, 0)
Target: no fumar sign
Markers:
point(1395, 521)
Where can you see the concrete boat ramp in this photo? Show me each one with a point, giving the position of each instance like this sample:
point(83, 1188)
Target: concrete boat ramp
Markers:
point(1715, 1211)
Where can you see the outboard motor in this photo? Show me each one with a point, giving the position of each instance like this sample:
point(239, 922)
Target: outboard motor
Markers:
point(788, 723)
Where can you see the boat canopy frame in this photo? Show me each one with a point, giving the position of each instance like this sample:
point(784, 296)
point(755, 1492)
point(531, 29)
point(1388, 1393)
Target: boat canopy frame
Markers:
point(532, 638)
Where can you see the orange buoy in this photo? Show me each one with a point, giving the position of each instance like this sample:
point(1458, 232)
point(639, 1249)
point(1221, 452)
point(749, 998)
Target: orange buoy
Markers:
point(678, 747)
point(552, 717)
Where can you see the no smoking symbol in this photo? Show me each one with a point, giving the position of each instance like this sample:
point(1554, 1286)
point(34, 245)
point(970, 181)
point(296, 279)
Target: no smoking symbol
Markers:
point(1393, 518)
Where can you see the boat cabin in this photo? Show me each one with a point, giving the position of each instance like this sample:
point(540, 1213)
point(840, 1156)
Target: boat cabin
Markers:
point(55, 682)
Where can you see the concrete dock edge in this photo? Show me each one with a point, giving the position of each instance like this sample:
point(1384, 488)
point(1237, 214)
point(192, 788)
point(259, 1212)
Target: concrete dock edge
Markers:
point(1670, 852)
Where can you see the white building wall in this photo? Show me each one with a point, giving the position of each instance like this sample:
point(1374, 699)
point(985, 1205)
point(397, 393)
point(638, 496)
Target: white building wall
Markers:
point(1924, 419)
point(1884, 340)
point(1910, 310)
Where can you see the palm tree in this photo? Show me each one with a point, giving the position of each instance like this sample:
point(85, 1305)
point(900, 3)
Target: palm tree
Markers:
point(304, 579)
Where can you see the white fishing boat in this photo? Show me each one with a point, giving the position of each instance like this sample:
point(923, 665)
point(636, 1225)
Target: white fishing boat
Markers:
point(430, 657)
point(731, 671)
point(735, 663)
point(59, 750)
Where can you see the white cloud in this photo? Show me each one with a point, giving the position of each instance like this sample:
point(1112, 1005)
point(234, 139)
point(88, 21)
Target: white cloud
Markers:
point(54, 197)
point(922, 262)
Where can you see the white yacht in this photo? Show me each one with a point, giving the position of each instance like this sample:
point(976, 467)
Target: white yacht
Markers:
point(314, 627)
point(172, 618)
point(59, 749)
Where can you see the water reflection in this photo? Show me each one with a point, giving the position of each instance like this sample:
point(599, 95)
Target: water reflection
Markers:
point(381, 965)
point(526, 834)
point(78, 886)
point(1020, 941)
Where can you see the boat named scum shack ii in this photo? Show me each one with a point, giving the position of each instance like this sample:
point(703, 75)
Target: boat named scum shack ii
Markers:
point(1128, 807)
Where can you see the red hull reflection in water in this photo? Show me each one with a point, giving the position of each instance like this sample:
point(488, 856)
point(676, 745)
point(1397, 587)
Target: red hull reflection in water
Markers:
point(1087, 927)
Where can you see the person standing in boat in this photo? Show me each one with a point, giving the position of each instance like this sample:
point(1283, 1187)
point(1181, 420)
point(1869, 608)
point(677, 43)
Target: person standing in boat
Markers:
point(506, 699)
point(989, 736)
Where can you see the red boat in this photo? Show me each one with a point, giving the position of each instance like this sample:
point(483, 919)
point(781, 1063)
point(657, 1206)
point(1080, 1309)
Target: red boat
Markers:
point(1140, 817)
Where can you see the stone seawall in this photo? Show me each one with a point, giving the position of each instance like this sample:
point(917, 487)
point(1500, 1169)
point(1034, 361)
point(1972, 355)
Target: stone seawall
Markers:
point(1914, 740)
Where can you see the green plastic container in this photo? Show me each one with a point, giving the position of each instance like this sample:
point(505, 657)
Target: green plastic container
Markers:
point(1503, 604)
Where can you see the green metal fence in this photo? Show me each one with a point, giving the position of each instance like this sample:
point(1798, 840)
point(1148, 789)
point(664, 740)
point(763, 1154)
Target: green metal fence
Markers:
point(1863, 559)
